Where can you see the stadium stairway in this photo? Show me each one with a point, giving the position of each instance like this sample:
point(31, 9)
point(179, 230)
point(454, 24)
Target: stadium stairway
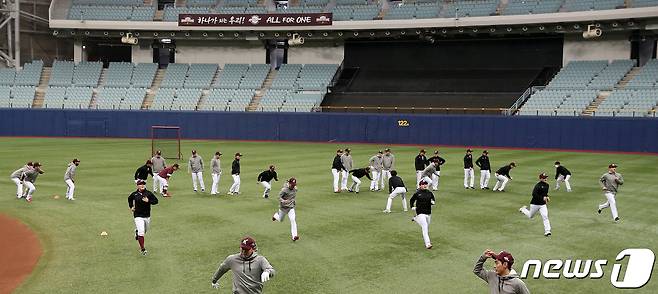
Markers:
point(502, 4)
point(150, 95)
point(629, 76)
point(41, 89)
point(255, 102)
point(595, 104)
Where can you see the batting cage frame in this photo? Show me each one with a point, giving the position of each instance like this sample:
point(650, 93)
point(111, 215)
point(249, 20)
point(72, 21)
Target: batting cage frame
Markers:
point(167, 140)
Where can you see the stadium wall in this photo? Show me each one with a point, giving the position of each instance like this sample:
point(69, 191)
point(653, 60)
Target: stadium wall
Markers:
point(572, 133)
point(610, 47)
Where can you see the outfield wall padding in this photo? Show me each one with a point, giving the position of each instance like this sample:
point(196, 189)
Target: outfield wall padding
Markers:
point(576, 133)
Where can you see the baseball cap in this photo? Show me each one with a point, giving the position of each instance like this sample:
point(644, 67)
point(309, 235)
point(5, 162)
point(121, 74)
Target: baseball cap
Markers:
point(543, 175)
point(505, 256)
point(380, 152)
point(237, 154)
point(149, 162)
point(76, 160)
point(248, 243)
point(158, 152)
point(485, 151)
point(612, 165)
point(436, 151)
point(36, 163)
point(193, 151)
point(469, 150)
point(140, 182)
point(422, 183)
point(387, 149)
point(557, 162)
point(348, 149)
point(422, 150)
point(339, 150)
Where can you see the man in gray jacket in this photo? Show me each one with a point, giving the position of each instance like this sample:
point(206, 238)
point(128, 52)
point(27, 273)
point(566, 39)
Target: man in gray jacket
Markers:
point(388, 164)
point(16, 177)
point(250, 270)
point(29, 177)
point(346, 159)
point(216, 173)
point(503, 279)
point(69, 178)
point(158, 165)
point(287, 206)
point(610, 183)
point(376, 166)
point(196, 166)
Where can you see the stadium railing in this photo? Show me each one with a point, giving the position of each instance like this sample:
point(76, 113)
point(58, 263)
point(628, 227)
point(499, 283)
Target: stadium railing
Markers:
point(523, 98)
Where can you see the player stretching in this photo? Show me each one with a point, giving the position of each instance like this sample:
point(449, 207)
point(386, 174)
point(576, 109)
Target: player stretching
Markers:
point(250, 270)
point(539, 203)
point(357, 174)
point(216, 172)
point(430, 172)
point(142, 173)
point(421, 202)
point(562, 174)
point(69, 178)
point(395, 188)
point(502, 177)
point(346, 160)
point(376, 167)
point(164, 176)
point(503, 279)
point(265, 178)
point(287, 206)
point(140, 203)
point(336, 168)
point(468, 170)
point(235, 173)
point(159, 164)
point(610, 183)
point(420, 163)
point(196, 166)
point(17, 176)
point(29, 178)
point(436, 176)
point(388, 164)
point(485, 170)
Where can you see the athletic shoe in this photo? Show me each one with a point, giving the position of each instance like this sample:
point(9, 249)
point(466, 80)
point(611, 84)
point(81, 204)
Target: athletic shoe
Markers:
point(273, 219)
point(372, 190)
point(547, 234)
point(599, 211)
point(229, 193)
point(350, 190)
point(406, 210)
point(136, 235)
point(466, 188)
point(19, 196)
point(203, 190)
point(617, 219)
point(435, 189)
point(144, 252)
point(429, 247)
point(472, 188)
point(487, 188)
point(386, 211)
point(357, 192)
point(481, 188)
point(266, 196)
point(522, 208)
point(295, 238)
point(501, 190)
point(72, 199)
point(195, 191)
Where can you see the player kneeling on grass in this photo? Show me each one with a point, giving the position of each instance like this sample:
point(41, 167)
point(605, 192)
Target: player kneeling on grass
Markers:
point(538, 203)
point(502, 177)
point(164, 176)
point(395, 188)
point(357, 174)
point(250, 270)
point(287, 206)
point(503, 279)
point(69, 178)
point(140, 203)
point(421, 202)
point(265, 178)
point(29, 178)
point(16, 177)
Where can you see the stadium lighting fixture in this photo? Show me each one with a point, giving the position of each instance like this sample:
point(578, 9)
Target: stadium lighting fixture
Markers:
point(592, 32)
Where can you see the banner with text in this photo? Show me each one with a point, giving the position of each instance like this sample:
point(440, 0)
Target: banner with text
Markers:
point(254, 20)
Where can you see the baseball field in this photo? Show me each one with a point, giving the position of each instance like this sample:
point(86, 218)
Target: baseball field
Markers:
point(347, 244)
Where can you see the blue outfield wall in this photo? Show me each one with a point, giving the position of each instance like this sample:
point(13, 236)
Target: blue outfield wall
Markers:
point(604, 134)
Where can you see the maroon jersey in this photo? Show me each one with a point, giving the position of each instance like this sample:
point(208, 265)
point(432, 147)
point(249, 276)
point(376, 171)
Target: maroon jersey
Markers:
point(165, 173)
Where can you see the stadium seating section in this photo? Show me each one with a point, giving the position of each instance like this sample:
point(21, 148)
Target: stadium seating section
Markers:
point(18, 87)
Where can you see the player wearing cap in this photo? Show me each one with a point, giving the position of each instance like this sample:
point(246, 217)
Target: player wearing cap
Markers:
point(158, 164)
point(502, 176)
point(388, 164)
point(562, 174)
point(336, 168)
point(235, 173)
point(287, 206)
point(436, 176)
point(539, 203)
point(346, 160)
point(265, 178)
point(376, 167)
point(216, 172)
point(164, 176)
point(357, 174)
point(485, 169)
point(17, 178)
point(250, 270)
point(29, 178)
point(421, 202)
point(195, 164)
point(142, 173)
point(140, 203)
point(420, 163)
point(429, 172)
point(610, 183)
point(69, 178)
point(396, 187)
point(503, 279)
point(469, 174)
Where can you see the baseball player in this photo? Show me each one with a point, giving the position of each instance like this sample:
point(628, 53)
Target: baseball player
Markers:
point(396, 187)
point(195, 164)
point(336, 168)
point(235, 173)
point(265, 178)
point(250, 270)
point(287, 206)
point(429, 172)
point(436, 176)
point(376, 166)
point(502, 177)
point(69, 178)
point(503, 279)
point(29, 178)
point(420, 163)
point(562, 174)
point(216, 172)
point(346, 160)
point(469, 174)
point(159, 164)
point(388, 164)
point(538, 203)
point(140, 203)
point(485, 169)
point(421, 202)
point(17, 176)
point(610, 183)
point(142, 173)
point(164, 176)
point(357, 174)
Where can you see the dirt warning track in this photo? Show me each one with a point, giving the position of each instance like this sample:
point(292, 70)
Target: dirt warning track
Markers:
point(19, 252)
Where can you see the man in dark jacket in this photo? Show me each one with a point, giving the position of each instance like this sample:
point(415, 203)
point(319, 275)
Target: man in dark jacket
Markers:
point(502, 176)
point(140, 203)
point(144, 171)
point(420, 163)
point(357, 174)
point(469, 175)
point(235, 173)
point(485, 169)
point(265, 178)
point(562, 174)
point(336, 168)
point(538, 203)
point(396, 187)
point(421, 202)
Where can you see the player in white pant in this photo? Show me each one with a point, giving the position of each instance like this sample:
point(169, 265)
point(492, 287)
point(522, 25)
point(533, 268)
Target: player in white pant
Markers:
point(265, 179)
point(69, 178)
point(436, 177)
point(539, 203)
point(357, 174)
point(485, 169)
point(140, 203)
point(216, 173)
point(195, 165)
point(610, 183)
point(388, 164)
point(396, 188)
point(157, 164)
point(376, 167)
point(29, 178)
point(287, 204)
point(503, 176)
point(336, 168)
point(346, 160)
point(17, 178)
point(430, 172)
point(421, 202)
point(235, 174)
point(562, 174)
point(420, 162)
point(468, 170)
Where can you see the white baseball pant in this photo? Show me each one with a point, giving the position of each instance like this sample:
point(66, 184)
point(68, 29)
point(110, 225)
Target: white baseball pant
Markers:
point(267, 187)
point(485, 175)
point(356, 184)
point(543, 211)
point(157, 183)
point(385, 175)
point(70, 189)
point(142, 225)
point(397, 191)
point(164, 184)
point(423, 220)
point(30, 189)
point(279, 215)
point(235, 188)
point(612, 203)
point(343, 183)
point(19, 187)
point(374, 183)
point(215, 183)
point(564, 179)
point(419, 175)
point(435, 180)
point(501, 182)
point(198, 177)
point(469, 178)
point(335, 173)
point(426, 179)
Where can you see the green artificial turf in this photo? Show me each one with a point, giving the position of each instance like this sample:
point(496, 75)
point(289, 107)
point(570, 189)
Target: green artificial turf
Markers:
point(347, 244)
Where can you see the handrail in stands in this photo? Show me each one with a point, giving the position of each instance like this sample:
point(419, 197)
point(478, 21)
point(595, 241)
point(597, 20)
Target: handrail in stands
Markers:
point(523, 98)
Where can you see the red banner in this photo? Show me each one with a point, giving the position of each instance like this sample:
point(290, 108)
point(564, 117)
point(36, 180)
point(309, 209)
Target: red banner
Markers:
point(254, 20)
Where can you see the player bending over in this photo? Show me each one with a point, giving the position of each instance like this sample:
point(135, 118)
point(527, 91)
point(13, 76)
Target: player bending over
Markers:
point(265, 179)
point(503, 176)
point(164, 177)
point(562, 174)
point(16, 177)
point(357, 174)
point(29, 178)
